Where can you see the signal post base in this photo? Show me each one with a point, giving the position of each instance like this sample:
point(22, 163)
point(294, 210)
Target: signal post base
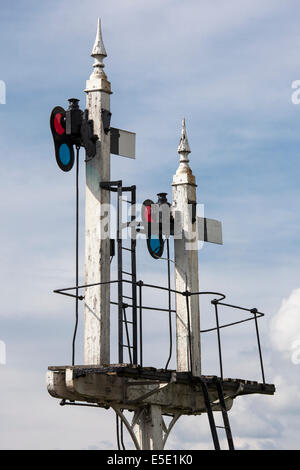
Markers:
point(147, 392)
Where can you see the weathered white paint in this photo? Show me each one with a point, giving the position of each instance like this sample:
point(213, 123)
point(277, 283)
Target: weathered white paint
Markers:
point(210, 230)
point(186, 263)
point(130, 427)
point(148, 429)
point(127, 143)
point(111, 390)
point(97, 222)
point(140, 428)
point(56, 385)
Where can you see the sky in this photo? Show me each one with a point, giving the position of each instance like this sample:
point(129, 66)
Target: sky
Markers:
point(228, 68)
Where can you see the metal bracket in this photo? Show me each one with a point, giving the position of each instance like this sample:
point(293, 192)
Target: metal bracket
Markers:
point(167, 429)
point(128, 426)
point(106, 117)
point(194, 210)
point(144, 410)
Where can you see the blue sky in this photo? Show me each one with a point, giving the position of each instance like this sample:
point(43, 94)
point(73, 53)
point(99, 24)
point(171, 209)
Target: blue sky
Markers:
point(227, 66)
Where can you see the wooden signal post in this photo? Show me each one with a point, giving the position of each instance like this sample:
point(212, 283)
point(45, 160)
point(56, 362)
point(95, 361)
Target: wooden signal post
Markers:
point(97, 220)
point(149, 393)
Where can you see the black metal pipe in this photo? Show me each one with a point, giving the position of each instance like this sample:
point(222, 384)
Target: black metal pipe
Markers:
point(189, 331)
point(240, 308)
point(133, 270)
point(60, 291)
point(127, 334)
point(118, 432)
point(122, 435)
point(140, 285)
point(219, 340)
point(210, 293)
point(84, 286)
point(80, 297)
point(228, 324)
point(120, 269)
point(210, 416)
point(147, 308)
point(65, 403)
point(77, 255)
point(258, 344)
point(169, 305)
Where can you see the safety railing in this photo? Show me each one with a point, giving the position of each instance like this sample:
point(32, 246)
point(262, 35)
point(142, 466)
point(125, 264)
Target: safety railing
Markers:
point(216, 302)
point(255, 315)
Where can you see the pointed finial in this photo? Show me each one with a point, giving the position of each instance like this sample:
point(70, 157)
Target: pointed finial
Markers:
point(184, 148)
point(99, 53)
point(184, 174)
point(99, 49)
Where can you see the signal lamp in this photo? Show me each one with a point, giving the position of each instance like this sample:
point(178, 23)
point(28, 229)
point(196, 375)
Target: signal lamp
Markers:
point(63, 145)
point(155, 242)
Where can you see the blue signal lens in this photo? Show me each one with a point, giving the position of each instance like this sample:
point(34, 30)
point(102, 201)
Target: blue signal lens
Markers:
point(155, 245)
point(64, 154)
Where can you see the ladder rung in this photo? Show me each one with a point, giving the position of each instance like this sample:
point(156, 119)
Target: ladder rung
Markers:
point(127, 200)
point(110, 185)
point(224, 414)
point(125, 272)
point(126, 346)
point(127, 321)
point(128, 188)
point(127, 249)
point(210, 416)
point(127, 297)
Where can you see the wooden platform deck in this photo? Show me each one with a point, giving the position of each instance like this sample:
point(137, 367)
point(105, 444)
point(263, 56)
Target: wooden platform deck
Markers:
point(131, 387)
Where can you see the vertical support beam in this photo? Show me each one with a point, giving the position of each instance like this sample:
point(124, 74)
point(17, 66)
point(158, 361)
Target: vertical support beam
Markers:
point(120, 273)
point(148, 428)
point(133, 270)
point(186, 262)
point(97, 219)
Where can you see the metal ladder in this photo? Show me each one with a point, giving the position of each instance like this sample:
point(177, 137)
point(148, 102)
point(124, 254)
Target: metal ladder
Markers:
point(210, 414)
point(127, 305)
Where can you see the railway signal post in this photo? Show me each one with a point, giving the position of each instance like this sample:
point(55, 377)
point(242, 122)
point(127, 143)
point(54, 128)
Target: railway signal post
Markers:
point(148, 401)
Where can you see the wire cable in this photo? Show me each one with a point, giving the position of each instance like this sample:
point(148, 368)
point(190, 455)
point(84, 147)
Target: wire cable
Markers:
point(77, 255)
point(169, 304)
point(117, 432)
point(189, 331)
point(122, 436)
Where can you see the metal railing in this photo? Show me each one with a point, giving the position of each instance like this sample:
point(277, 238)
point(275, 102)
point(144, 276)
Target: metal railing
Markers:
point(187, 294)
point(255, 315)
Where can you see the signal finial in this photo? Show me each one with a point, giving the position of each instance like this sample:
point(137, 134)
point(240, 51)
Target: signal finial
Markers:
point(184, 148)
point(98, 52)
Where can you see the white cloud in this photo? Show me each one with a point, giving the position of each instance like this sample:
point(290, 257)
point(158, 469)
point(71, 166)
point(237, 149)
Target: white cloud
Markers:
point(287, 392)
point(285, 325)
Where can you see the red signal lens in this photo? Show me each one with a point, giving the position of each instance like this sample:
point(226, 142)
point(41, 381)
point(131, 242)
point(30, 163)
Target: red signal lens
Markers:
point(64, 152)
point(59, 129)
point(147, 214)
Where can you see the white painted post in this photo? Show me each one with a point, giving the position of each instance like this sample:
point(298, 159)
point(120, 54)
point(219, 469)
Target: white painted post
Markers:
point(148, 428)
point(97, 223)
point(186, 263)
